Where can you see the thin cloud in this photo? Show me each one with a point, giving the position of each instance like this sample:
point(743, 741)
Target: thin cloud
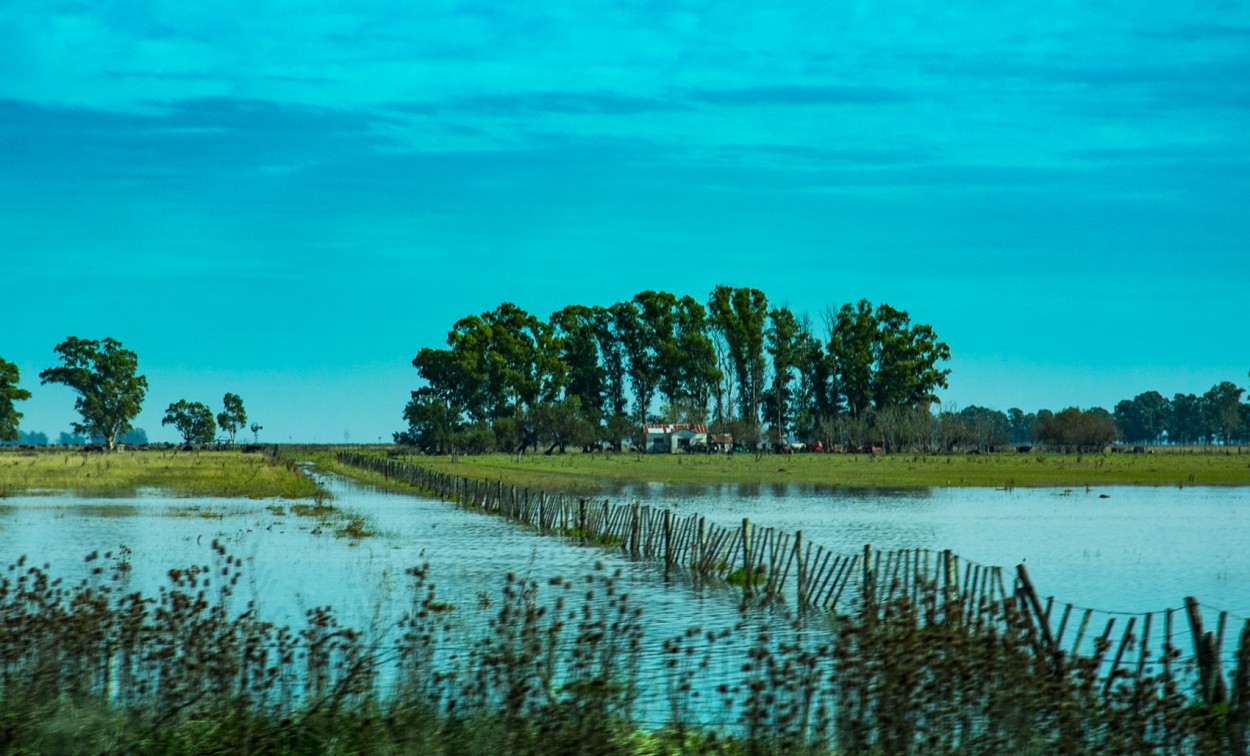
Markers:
point(575, 103)
point(799, 94)
point(823, 156)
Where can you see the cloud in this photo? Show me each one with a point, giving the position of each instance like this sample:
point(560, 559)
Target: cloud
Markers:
point(575, 103)
point(817, 156)
point(1198, 32)
point(798, 94)
point(194, 137)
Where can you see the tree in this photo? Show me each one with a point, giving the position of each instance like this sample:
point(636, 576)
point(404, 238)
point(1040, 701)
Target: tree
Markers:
point(1078, 430)
point(10, 393)
point(884, 360)
point(105, 375)
point(1187, 424)
point(740, 316)
point(612, 351)
point(817, 398)
point(194, 420)
point(1021, 425)
point(782, 337)
point(639, 356)
point(133, 437)
point(852, 345)
point(433, 424)
point(232, 417)
point(696, 357)
point(579, 350)
point(497, 364)
point(907, 357)
point(987, 428)
point(1222, 409)
point(1144, 418)
point(562, 423)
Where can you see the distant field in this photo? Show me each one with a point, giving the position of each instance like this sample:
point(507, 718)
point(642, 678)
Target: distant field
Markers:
point(202, 473)
point(578, 472)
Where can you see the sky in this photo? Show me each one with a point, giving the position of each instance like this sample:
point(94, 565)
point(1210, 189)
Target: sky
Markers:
point(288, 200)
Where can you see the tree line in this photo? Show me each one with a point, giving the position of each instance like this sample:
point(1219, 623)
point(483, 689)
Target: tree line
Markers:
point(508, 379)
point(110, 389)
point(1215, 417)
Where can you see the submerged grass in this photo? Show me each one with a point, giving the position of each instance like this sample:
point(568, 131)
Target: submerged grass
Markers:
point(556, 667)
point(195, 473)
point(577, 473)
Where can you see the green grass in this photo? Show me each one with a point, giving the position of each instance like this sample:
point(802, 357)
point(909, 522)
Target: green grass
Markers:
point(587, 473)
point(202, 473)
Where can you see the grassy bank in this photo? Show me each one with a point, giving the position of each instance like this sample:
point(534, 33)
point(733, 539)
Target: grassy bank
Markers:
point(201, 473)
point(586, 473)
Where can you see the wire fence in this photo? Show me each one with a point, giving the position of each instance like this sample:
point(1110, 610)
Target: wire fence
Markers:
point(767, 563)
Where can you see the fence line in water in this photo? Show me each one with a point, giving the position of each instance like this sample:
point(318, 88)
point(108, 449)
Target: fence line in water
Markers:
point(762, 560)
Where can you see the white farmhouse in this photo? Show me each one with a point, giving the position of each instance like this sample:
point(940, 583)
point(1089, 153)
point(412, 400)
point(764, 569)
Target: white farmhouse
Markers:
point(669, 438)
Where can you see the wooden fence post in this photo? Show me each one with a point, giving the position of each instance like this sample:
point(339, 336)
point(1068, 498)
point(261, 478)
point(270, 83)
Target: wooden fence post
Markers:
point(866, 584)
point(668, 539)
point(800, 587)
point(635, 527)
point(746, 555)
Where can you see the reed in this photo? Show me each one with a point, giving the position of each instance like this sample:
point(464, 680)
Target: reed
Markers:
point(560, 666)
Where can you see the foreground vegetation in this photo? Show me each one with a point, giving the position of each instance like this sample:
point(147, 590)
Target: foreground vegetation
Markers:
point(587, 473)
point(198, 473)
point(560, 666)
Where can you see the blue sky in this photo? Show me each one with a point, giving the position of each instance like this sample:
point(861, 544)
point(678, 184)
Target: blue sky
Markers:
point(287, 200)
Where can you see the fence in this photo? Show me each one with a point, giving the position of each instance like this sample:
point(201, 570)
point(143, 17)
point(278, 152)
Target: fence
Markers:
point(783, 566)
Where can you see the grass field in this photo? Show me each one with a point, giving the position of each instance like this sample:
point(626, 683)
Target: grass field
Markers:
point(578, 473)
point(202, 473)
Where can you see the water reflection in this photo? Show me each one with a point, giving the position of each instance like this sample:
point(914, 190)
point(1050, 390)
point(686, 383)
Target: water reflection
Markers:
point(1122, 548)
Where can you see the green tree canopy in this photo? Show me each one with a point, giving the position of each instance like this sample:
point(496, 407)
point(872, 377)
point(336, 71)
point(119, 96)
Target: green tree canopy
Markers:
point(986, 427)
point(194, 420)
point(784, 348)
point(884, 360)
point(110, 389)
point(506, 365)
point(433, 424)
point(1223, 410)
point(1144, 418)
point(574, 327)
point(740, 315)
point(232, 417)
point(1073, 428)
point(10, 393)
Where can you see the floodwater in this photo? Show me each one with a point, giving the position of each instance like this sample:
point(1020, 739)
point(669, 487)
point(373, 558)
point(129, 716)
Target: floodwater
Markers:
point(1119, 549)
point(1127, 549)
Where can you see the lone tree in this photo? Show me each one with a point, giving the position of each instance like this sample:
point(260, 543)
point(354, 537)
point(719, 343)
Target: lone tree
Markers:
point(193, 420)
point(105, 375)
point(10, 393)
point(232, 417)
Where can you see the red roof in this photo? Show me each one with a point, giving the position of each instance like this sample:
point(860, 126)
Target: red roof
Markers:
point(667, 428)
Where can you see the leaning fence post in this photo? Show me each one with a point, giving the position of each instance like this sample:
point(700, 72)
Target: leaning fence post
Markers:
point(1030, 595)
point(801, 576)
point(866, 584)
point(746, 555)
point(668, 538)
point(635, 526)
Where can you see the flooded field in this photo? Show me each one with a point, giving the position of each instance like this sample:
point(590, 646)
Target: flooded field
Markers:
point(1118, 549)
point(1125, 548)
